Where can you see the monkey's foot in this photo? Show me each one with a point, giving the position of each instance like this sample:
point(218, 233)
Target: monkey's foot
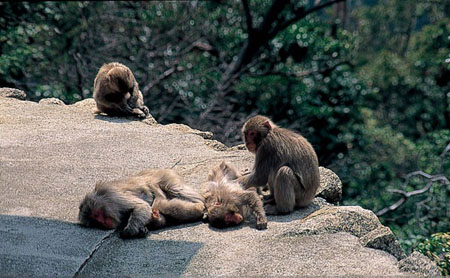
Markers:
point(133, 232)
point(268, 200)
point(270, 209)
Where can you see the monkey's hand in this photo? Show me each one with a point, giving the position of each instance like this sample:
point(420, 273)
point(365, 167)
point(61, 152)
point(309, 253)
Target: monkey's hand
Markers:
point(261, 224)
point(129, 232)
point(138, 112)
point(145, 110)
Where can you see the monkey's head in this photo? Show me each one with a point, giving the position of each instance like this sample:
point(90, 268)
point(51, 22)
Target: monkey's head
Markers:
point(94, 212)
point(223, 215)
point(122, 79)
point(255, 130)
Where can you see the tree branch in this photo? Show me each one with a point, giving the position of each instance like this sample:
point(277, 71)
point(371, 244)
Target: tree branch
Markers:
point(300, 14)
point(248, 17)
point(161, 77)
point(406, 195)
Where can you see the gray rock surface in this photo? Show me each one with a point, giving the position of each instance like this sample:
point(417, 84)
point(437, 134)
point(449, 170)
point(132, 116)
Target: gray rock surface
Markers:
point(13, 93)
point(52, 155)
point(330, 186)
point(51, 101)
point(418, 264)
point(382, 238)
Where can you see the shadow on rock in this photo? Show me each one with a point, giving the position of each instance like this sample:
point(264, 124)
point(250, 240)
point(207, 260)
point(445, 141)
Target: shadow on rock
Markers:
point(33, 247)
point(124, 119)
point(38, 247)
point(298, 214)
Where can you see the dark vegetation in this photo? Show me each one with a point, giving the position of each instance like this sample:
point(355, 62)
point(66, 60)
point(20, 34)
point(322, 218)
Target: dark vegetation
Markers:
point(366, 81)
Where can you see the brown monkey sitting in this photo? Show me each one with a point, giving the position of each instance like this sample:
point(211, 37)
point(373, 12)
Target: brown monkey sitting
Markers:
point(283, 159)
point(117, 93)
point(227, 203)
point(148, 200)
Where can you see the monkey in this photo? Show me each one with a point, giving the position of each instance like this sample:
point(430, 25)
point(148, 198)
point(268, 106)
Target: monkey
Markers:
point(117, 93)
point(284, 160)
point(149, 200)
point(227, 203)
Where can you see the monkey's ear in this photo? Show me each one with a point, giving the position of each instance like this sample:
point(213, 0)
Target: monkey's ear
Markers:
point(155, 213)
point(268, 125)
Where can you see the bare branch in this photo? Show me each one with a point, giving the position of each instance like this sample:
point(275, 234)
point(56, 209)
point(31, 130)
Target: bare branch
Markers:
point(446, 150)
point(406, 195)
point(300, 14)
point(161, 77)
point(248, 17)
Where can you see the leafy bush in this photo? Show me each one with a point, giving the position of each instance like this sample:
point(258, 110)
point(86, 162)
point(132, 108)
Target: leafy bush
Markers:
point(437, 248)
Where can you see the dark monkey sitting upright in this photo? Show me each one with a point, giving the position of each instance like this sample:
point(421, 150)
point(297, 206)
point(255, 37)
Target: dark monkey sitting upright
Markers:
point(285, 161)
point(117, 93)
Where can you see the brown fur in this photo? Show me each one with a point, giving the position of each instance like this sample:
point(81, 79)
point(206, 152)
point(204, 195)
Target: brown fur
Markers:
point(117, 93)
point(227, 203)
point(150, 199)
point(283, 159)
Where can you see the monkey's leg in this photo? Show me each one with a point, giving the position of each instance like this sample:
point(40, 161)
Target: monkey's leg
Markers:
point(283, 187)
point(181, 211)
point(139, 218)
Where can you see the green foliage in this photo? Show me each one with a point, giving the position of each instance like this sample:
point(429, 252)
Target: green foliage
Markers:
point(410, 87)
point(311, 80)
point(381, 162)
point(437, 248)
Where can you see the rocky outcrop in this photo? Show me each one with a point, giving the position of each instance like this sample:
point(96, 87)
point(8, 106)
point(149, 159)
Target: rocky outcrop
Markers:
point(330, 186)
point(418, 264)
point(357, 221)
point(51, 155)
point(13, 93)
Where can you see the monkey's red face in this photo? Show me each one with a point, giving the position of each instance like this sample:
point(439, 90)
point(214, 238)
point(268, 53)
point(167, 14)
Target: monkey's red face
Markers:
point(251, 137)
point(106, 222)
point(233, 218)
point(221, 217)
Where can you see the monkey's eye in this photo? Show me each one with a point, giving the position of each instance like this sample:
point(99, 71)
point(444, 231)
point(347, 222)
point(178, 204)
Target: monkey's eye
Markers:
point(251, 133)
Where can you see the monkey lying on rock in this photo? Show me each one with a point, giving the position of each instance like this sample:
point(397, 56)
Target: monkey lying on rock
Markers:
point(285, 161)
point(149, 200)
point(117, 93)
point(227, 203)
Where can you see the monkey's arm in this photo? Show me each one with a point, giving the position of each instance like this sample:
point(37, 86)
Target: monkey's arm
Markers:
point(136, 102)
point(180, 210)
point(255, 179)
point(252, 200)
point(139, 217)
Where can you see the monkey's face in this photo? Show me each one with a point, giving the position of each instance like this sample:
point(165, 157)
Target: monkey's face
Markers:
point(252, 139)
point(98, 217)
point(255, 131)
point(222, 216)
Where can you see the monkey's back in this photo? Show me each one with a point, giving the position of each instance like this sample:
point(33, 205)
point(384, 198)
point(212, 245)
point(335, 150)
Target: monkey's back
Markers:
point(295, 151)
